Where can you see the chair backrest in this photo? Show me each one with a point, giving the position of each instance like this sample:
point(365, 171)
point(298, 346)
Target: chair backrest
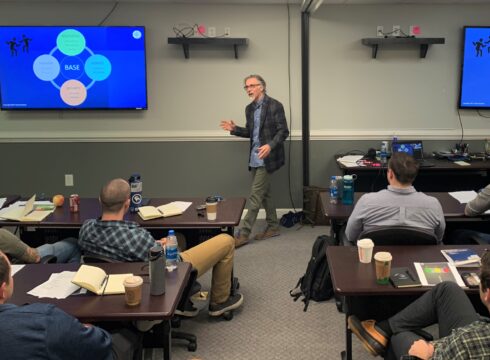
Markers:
point(400, 235)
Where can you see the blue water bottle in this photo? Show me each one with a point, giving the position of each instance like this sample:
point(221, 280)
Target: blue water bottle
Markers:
point(348, 195)
point(136, 186)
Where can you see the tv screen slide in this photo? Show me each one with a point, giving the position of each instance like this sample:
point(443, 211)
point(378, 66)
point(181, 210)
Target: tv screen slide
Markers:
point(475, 73)
point(71, 67)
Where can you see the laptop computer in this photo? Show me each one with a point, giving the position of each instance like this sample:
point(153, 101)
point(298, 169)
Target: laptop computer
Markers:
point(414, 148)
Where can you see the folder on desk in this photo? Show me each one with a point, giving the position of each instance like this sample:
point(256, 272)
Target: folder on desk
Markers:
point(26, 212)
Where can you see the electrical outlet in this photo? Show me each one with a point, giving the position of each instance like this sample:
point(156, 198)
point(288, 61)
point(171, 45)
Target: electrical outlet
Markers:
point(396, 30)
point(68, 179)
point(380, 31)
point(211, 31)
point(227, 31)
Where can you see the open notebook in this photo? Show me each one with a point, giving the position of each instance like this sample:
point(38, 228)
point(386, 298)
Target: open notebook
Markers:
point(26, 212)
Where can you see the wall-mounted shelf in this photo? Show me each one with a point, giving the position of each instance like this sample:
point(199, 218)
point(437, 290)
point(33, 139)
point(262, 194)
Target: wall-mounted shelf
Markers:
point(422, 42)
point(185, 42)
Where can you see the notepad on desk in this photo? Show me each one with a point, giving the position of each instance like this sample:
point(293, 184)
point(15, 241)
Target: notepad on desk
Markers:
point(152, 212)
point(462, 257)
point(28, 212)
point(97, 281)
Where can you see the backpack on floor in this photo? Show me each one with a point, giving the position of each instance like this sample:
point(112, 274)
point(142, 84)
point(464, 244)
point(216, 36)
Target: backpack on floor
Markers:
point(316, 283)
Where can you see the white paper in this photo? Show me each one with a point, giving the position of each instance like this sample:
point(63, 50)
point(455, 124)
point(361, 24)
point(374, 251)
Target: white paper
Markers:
point(182, 205)
point(59, 286)
point(462, 163)
point(16, 268)
point(350, 160)
point(463, 196)
point(2, 201)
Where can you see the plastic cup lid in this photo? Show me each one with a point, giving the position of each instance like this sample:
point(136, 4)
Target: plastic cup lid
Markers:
point(211, 199)
point(383, 256)
point(133, 281)
point(365, 243)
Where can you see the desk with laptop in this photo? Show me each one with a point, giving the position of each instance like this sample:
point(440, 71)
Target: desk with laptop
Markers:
point(434, 174)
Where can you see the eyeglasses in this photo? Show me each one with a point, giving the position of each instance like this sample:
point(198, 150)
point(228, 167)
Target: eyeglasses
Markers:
point(251, 86)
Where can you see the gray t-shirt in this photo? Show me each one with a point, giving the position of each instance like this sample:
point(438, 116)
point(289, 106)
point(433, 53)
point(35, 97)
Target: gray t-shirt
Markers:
point(396, 207)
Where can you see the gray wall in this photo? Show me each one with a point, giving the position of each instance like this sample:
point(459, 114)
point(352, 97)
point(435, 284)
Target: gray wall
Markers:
point(177, 145)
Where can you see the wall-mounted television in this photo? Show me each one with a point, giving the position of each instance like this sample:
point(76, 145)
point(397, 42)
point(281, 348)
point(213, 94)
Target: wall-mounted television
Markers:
point(475, 68)
point(72, 67)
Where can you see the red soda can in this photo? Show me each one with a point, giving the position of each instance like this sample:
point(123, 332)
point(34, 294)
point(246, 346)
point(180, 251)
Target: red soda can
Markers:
point(74, 203)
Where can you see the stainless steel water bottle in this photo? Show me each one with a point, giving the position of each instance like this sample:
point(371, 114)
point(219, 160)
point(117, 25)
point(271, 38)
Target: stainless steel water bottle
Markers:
point(156, 258)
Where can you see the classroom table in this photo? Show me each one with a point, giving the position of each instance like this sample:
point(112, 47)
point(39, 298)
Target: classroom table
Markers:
point(356, 282)
point(92, 308)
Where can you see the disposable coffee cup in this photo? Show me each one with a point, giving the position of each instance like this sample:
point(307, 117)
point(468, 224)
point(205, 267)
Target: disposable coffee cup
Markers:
point(133, 286)
point(211, 208)
point(365, 250)
point(382, 262)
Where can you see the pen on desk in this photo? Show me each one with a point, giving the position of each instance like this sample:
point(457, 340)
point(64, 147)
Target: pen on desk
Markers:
point(104, 283)
point(410, 275)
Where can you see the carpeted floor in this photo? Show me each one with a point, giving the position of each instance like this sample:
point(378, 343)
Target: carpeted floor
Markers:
point(270, 325)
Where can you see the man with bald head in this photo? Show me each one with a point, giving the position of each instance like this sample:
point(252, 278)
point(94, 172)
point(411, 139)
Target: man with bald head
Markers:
point(112, 236)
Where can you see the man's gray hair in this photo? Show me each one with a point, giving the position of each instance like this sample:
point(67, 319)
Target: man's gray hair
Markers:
point(259, 78)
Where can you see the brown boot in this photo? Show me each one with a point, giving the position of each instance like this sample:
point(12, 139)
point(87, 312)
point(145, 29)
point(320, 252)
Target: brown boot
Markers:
point(372, 338)
point(268, 233)
point(241, 240)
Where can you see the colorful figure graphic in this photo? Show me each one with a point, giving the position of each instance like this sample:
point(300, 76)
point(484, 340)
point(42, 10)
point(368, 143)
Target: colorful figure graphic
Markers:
point(478, 46)
point(25, 43)
point(13, 45)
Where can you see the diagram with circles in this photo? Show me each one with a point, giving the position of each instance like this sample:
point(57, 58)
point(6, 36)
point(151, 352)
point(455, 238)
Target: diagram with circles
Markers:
point(77, 60)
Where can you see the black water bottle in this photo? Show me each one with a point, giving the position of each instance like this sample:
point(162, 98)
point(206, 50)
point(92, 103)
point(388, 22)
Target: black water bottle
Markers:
point(156, 258)
point(136, 186)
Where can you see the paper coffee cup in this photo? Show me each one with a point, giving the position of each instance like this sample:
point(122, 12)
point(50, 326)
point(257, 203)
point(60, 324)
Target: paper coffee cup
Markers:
point(133, 286)
point(365, 250)
point(211, 208)
point(382, 261)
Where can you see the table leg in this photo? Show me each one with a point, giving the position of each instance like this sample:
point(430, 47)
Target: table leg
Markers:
point(347, 354)
point(167, 340)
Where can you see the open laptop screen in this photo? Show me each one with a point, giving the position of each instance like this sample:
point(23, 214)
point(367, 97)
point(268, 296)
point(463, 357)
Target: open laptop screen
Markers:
point(413, 148)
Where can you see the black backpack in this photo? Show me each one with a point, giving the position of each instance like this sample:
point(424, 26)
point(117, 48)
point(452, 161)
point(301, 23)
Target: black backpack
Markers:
point(316, 283)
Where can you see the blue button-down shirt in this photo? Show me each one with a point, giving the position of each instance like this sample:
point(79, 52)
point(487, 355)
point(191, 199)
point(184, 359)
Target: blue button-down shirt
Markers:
point(255, 162)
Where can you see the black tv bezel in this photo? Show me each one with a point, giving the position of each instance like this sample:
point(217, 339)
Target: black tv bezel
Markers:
point(84, 109)
point(462, 68)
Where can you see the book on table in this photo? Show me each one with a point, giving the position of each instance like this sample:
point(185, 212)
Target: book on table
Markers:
point(152, 212)
point(402, 277)
point(433, 273)
point(28, 212)
point(462, 257)
point(97, 281)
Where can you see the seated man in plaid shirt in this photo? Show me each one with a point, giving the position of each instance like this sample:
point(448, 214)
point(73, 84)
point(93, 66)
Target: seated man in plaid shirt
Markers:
point(112, 236)
point(463, 333)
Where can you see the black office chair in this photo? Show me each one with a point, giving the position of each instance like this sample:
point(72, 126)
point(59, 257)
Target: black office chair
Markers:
point(152, 338)
point(400, 235)
point(48, 259)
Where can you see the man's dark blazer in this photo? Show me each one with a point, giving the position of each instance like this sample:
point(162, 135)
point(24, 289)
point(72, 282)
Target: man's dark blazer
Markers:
point(273, 131)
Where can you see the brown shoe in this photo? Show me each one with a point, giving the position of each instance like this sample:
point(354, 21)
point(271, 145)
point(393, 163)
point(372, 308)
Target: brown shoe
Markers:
point(241, 240)
point(373, 339)
point(268, 233)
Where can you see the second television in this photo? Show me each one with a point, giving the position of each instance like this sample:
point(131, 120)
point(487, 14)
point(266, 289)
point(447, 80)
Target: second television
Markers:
point(73, 67)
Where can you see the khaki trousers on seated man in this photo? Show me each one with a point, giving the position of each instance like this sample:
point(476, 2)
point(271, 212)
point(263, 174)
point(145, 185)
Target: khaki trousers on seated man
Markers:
point(111, 236)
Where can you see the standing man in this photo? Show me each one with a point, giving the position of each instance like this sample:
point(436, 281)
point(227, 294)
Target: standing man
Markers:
point(267, 129)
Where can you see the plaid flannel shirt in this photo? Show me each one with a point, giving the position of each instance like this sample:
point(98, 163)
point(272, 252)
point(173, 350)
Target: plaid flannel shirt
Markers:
point(119, 240)
point(468, 342)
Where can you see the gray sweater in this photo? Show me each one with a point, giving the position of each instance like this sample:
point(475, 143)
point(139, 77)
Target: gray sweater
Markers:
point(396, 207)
point(480, 204)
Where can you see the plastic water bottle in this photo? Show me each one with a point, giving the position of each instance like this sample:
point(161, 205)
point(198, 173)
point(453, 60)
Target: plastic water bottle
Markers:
point(383, 153)
point(156, 258)
point(340, 187)
point(394, 140)
point(136, 186)
point(333, 190)
point(171, 251)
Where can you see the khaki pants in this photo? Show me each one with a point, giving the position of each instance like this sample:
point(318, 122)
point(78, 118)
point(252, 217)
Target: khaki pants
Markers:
point(216, 253)
point(260, 196)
